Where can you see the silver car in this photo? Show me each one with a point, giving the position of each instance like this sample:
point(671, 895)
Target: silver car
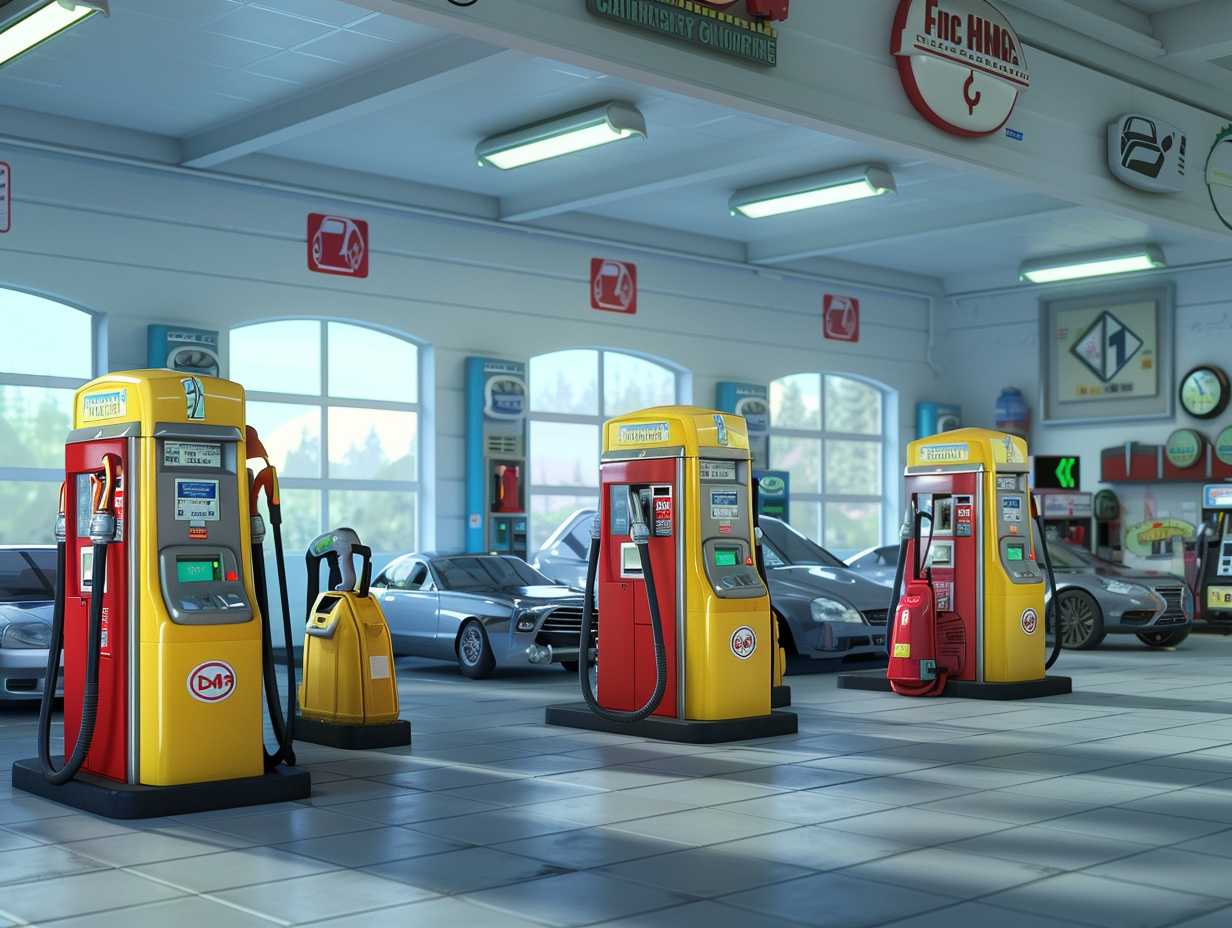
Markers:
point(27, 591)
point(483, 611)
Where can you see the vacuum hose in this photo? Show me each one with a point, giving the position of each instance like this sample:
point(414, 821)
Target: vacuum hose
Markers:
point(640, 533)
point(1054, 602)
point(102, 533)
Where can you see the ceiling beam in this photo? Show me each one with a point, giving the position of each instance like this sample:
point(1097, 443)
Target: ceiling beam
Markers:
point(1201, 30)
point(900, 228)
point(424, 71)
point(1106, 21)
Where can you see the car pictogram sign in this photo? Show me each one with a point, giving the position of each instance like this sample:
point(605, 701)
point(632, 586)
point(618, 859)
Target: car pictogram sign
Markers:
point(1107, 346)
point(613, 286)
point(337, 245)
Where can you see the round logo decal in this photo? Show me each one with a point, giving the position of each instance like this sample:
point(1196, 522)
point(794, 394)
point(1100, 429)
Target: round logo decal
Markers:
point(1219, 176)
point(1030, 621)
point(743, 642)
point(961, 63)
point(212, 681)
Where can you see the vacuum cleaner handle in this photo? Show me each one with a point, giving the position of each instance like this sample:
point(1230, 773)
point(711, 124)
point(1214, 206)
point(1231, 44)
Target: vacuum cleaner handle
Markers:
point(337, 547)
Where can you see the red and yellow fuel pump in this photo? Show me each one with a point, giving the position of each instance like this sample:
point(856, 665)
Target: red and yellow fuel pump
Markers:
point(687, 644)
point(971, 619)
point(161, 608)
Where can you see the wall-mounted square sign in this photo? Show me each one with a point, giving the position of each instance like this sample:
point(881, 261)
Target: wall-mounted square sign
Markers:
point(841, 318)
point(613, 286)
point(337, 245)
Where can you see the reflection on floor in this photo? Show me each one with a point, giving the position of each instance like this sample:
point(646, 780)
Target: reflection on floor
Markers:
point(1109, 808)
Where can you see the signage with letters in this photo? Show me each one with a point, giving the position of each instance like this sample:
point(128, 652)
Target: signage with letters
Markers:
point(704, 23)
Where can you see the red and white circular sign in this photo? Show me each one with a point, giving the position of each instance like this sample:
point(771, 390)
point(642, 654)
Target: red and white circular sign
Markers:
point(961, 63)
point(212, 681)
point(743, 642)
point(1030, 621)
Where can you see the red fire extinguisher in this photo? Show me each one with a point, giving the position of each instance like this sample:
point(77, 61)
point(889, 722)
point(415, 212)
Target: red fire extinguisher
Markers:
point(509, 489)
point(913, 668)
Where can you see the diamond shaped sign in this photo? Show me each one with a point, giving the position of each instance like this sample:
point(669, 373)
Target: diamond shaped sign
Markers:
point(1107, 346)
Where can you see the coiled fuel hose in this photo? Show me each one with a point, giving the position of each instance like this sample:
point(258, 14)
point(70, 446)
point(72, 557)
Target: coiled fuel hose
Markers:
point(1054, 601)
point(639, 531)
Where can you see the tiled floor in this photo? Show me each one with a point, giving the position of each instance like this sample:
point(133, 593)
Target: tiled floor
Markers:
point(1111, 807)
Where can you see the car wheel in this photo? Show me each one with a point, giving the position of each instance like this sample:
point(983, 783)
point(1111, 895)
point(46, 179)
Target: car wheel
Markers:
point(1082, 623)
point(1169, 639)
point(475, 658)
point(570, 666)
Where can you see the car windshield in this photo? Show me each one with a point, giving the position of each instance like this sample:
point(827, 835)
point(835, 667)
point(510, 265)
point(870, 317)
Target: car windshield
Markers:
point(794, 549)
point(487, 573)
point(26, 576)
point(1068, 556)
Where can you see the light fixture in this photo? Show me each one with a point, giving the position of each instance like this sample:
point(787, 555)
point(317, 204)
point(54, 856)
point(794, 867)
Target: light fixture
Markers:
point(578, 131)
point(32, 22)
point(826, 189)
point(1093, 264)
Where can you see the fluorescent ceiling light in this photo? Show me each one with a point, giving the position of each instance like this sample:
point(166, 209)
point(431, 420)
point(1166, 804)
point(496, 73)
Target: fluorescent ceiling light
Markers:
point(1076, 267)
point(34, 22)
point(827, 189)
point(564, 135)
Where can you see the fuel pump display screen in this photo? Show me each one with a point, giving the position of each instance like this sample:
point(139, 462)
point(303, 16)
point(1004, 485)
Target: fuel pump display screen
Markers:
point(194, 570)
point(1014, 552)
point(726, 557)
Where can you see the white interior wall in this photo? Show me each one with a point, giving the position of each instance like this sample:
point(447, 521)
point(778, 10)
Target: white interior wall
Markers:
point(141, 246)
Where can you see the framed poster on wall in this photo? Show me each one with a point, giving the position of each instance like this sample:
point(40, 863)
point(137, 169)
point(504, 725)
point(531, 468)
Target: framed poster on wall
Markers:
point(1107, 356)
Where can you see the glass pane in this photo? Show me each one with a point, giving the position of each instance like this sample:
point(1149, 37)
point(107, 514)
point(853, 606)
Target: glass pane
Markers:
point(278, 357)
point(852, 527)
point(806, 518)
point(853, 468)
point(385, 521)
point(801, 457)
point(301, 523)
point(28, 512)
point(795, 402)
point(631, 383)
point(852, 406)
point(44, 337)
point(291, 434)
point(548, 512)
point(564, 455)
point(34, 421)
point(373, 444)
point(365, 364)
point(566, 382)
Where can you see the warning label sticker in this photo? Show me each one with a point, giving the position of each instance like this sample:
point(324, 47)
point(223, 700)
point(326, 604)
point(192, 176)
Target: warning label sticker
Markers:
point(902, 650)
point(196, 500)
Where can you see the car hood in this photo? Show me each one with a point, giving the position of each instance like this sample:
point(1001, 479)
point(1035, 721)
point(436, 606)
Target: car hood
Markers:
point(1138, 574)
point(843, 584)
point(25, 612)
point(543, 595)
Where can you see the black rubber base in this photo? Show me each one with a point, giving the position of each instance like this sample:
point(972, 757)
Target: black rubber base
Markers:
point(875, 681)
point(353, 737)
point(780, 697)
point(124, 801)
point(686, 731)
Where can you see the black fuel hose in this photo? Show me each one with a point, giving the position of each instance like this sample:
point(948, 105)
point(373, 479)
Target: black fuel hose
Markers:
point(283, 725)
point(94, 636)
point(899, 571)
point(1054, 602)
point(656, 628)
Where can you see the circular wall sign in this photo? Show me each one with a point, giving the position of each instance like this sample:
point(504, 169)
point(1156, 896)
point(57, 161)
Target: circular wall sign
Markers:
point(1219, 175)
point(961, 63)
point(1223, 446)
point(1107, 506)
point(1184, 448)
point(1204, 391)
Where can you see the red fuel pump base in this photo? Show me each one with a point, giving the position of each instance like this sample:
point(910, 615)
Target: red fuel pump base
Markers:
point(354, 737)
point(110, 799)
point(684, 731)
point(875, 681)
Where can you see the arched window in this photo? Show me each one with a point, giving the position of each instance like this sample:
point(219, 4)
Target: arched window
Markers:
point(338, 408)
point(47, 353)
point(571, 393)
point(828, 431)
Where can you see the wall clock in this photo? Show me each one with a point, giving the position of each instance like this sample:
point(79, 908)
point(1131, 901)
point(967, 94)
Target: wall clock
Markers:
point(1205, 391)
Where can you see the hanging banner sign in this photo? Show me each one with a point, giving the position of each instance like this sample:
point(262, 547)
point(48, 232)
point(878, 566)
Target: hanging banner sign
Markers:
point(961, 63)
point(701, 23)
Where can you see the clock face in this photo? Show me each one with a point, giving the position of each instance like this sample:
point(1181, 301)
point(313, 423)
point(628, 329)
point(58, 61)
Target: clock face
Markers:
point(1184, 448)
point(1204, 392)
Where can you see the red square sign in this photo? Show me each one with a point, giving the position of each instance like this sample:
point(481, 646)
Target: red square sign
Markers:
point(613, 286)
point(841, 318)
point(337, 245)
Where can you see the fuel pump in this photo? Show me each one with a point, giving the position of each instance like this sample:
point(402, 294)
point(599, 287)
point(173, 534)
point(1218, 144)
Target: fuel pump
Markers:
point(349, 697)
point(971, 621)
point(687, 647)
point(1212, 587)
point(157, 609)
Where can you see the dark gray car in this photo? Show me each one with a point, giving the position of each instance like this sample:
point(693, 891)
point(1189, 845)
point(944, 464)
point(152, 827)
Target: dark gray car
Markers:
point(27, 591)
point(483, 611)
point(826, 611)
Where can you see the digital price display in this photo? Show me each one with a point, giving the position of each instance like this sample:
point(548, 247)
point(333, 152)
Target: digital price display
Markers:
point(1014, 552)
point(198, 570)
point(726, 557)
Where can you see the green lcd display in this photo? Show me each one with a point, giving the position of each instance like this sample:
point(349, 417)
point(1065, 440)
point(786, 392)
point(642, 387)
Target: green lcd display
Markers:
point(1014, 553)
point(726, 557)
point(197, 570)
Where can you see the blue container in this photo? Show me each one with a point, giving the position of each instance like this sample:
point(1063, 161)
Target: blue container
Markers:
point(932, 418)
point(1013, 415)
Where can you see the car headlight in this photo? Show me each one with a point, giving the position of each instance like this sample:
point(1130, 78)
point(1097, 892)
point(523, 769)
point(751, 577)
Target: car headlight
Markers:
point(1121, 588)
point(526, 620)
point(25, 635)
point(830, 610)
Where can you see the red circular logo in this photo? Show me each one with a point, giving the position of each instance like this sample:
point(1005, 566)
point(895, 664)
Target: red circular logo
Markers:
point(1030, 621)
point(212, 681)
point(743, 642)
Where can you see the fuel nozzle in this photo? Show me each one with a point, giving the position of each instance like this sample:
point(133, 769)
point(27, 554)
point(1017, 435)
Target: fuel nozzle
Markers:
point(61, 521)
point(639, 530)
point(103, 519)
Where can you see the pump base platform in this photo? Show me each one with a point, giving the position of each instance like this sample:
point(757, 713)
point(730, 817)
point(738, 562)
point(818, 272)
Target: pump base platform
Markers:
point(875, 681)
point(685, 731)
point(353, 737)
point(780, 697)
point(128, 801)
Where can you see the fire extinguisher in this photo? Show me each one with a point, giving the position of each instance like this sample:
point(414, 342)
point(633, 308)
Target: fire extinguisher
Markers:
point(509, 489)
point(913, 667)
